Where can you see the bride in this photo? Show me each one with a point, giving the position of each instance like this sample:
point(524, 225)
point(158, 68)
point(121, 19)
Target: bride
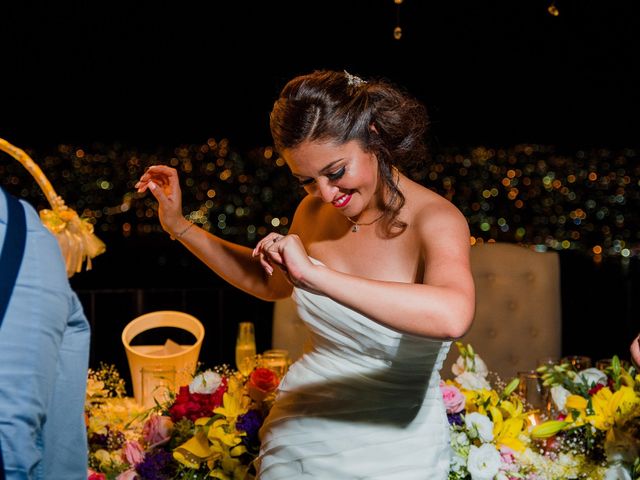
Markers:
point(379, 268)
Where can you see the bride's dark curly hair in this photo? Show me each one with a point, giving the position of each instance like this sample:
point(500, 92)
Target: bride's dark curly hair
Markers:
point(338, 107)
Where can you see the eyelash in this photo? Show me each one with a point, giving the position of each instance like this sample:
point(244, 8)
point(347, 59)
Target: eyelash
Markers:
point(331, 176)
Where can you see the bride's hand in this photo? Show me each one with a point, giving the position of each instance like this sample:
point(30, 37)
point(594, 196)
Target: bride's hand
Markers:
point(287, 253)
point(164, 184)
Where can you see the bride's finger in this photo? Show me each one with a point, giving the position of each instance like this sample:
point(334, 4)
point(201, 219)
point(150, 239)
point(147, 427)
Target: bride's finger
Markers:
point(265, 264)
point(266, 242)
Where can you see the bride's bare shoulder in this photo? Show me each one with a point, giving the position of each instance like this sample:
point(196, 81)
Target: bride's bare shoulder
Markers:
point(429, 209)
point(309, 217)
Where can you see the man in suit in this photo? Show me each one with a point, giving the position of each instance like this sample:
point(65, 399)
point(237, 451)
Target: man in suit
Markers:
point(44, 354)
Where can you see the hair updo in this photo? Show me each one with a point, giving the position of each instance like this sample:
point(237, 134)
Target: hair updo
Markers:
point(333, 106)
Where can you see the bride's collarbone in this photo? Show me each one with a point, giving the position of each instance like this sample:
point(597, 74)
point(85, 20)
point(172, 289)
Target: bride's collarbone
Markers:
point(381, 260)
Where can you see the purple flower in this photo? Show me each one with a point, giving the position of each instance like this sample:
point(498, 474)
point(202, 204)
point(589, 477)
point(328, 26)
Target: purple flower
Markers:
point(455, 418)
point(250, 423)
point(157, 465)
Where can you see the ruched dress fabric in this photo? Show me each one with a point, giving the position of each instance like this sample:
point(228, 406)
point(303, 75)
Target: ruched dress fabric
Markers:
point(363, 403)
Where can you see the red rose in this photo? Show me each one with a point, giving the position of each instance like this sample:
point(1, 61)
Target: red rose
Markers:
point(96, 476)
point(261, 383)
point(196, 405)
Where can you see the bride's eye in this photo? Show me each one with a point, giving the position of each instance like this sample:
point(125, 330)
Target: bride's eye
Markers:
point(306, 182)
point(336, 175)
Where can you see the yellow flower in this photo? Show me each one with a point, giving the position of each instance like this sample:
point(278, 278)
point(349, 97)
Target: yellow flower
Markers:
point(611, 409)
point(233, 405)
point(225, 432)
point(507, 433)
point(548, 429)
point(576, 405)
point(195, 451)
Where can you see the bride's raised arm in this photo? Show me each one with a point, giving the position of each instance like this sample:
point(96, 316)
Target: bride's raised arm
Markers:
point(232, 262)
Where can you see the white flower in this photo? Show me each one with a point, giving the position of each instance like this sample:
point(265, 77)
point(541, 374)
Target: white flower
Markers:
point(95, 388)
point(483, 462)
point(458, 463)
point(559, 394)
point(459, 440)
point(592, 377)
point(206, 382)
point(472, 381)
point(479, 425)
point(617, 472)
point(474, 365)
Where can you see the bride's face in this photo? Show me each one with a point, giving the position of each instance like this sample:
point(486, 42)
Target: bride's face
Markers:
point(343, 175)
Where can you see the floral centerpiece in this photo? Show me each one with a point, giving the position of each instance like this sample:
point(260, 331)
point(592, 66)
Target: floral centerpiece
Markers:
point(208, 429)
point(595, 418)
point(592, 431)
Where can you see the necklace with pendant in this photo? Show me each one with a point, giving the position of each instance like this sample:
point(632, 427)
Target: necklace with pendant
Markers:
point(356, 225)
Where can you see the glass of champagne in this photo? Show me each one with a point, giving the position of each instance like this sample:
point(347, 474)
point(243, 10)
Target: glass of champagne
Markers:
point(245, 348)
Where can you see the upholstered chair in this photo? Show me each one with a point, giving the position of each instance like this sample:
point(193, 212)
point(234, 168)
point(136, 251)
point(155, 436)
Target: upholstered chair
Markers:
point(517, 321)
point(289, 333)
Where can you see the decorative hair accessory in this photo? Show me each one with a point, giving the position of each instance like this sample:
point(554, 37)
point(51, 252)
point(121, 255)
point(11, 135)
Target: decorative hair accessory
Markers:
point(354, 80)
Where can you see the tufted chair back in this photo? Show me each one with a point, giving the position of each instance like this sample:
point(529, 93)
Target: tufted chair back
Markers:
point(289, 333)
point(518, 315)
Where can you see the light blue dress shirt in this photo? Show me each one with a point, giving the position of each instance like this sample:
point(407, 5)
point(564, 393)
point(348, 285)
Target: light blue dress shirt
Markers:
point(44, 355)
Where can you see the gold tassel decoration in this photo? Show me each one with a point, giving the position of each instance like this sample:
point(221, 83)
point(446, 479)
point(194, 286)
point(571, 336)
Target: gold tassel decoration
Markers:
point(74, 234)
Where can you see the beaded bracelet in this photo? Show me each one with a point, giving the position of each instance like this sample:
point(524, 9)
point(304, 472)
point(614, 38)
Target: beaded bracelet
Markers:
point(181, 234)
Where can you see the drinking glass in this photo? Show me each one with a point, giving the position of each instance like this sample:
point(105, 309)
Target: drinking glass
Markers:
point(158, 381)
point(530, 389)
point(276, 360)
point(578, 362)
point(245, 348)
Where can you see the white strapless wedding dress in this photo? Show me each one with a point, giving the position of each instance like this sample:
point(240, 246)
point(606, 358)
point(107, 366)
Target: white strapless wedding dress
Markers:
point(364, 403)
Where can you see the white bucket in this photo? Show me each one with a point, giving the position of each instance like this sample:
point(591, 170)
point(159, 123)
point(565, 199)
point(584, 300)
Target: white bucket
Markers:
point(183, 361)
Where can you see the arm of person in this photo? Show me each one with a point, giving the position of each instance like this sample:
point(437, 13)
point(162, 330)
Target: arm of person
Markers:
point(441, 307)
point(232, 262)
point(635, 350)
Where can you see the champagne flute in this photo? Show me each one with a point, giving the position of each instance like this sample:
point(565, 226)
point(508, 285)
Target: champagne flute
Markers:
point(245, 348)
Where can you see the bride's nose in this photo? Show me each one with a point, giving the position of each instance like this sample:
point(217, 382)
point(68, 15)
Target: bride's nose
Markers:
point(326, 190)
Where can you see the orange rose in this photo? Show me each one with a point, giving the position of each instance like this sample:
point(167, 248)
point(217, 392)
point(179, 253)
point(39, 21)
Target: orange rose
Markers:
point(261, 383)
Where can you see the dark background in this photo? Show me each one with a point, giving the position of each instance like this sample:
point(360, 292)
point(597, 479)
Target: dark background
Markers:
point(163, 73)
point(167, 72)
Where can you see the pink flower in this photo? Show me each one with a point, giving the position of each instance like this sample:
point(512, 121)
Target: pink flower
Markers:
point(507, 455)
point(132, 453)
point(157, 430)
point(128, 475)
point(453, 398)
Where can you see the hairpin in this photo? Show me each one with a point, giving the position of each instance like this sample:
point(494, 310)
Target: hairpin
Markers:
point(353, 80)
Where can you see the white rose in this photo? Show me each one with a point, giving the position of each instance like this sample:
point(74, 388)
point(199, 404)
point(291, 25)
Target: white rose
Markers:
point(472, 381)
point(483, 462)
point(559, 394)
point(480, 424)
point(206, 382)
point(592, 377)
